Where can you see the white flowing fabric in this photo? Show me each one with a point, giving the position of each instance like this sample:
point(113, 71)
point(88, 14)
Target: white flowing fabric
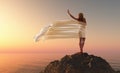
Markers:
point(62, 29)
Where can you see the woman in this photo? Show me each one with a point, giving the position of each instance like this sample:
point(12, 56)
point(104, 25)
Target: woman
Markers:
point(81, 38)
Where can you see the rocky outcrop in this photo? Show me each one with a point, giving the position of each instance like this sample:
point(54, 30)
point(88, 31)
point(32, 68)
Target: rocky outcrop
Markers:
point(117, 71)
point(79, 63)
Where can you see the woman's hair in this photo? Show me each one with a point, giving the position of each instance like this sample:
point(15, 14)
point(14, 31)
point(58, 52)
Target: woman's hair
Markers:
point(80, 16)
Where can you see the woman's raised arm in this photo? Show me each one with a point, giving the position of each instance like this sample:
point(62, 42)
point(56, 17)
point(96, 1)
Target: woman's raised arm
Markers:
point(71, 15)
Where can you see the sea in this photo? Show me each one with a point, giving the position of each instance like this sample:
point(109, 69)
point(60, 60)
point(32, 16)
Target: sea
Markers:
point(35, 62)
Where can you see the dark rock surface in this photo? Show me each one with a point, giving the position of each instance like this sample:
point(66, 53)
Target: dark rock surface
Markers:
point(79, 63)
point(117, 71)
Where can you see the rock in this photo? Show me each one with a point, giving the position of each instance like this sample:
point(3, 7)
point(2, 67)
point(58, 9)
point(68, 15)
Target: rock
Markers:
point(117, 71)
point(79, 63)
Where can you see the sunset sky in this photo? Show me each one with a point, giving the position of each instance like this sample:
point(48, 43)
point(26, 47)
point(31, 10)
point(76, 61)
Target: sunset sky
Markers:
point(20, 20)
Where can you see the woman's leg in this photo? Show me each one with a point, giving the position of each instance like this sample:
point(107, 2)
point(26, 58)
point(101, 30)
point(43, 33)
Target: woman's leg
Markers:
point(81, 44)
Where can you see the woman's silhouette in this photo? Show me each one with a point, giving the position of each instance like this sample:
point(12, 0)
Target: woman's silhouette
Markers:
point(81, 38)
